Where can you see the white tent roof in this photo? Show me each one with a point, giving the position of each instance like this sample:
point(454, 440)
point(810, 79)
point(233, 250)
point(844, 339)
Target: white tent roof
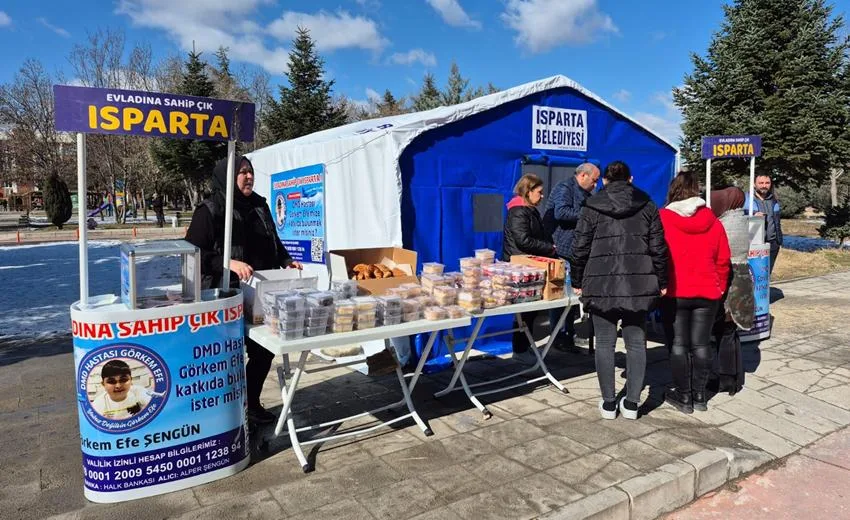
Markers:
point(405, 127)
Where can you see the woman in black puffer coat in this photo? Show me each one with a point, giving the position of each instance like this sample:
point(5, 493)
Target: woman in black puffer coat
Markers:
point(619, 268)
point(524, 235)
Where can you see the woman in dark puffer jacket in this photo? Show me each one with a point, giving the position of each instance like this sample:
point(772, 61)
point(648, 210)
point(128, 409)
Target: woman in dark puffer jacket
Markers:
point(619, 268)
point(524, 235)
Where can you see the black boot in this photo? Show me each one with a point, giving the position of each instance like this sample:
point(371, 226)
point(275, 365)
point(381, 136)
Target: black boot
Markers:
point(700, 401)
point(679, 400)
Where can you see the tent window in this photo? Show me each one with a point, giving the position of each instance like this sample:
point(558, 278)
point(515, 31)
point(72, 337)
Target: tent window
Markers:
point(551, 175)
point(487, 212)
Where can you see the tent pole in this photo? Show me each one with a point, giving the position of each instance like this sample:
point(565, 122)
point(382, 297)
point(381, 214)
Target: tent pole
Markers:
point(228, 212)
point(752, 181)
point(708, 183)
point(82, 199)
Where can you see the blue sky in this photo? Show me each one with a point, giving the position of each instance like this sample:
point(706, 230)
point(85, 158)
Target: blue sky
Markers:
point(630, 53)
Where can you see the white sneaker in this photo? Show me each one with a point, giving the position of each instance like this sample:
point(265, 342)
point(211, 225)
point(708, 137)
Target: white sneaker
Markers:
point(605, 413)
point(628, 414)
point(526, 358)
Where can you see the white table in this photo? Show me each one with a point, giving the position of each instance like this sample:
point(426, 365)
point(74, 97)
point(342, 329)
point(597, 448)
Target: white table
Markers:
point(273, 343)
point(516, 309)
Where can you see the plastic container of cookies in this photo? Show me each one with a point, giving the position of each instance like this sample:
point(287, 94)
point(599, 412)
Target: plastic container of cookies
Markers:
point(432, 268)
point(445, 295)
point(435, 313)
point(470, 262)
point(390, 304)
point(344, 288)
point(455, 312)
point(411, 316)
point(318, 330)
point(412, 289)
point(365, 303)
point(291, 334)
point(321, 299)
point(487, 256)
point(342, 327)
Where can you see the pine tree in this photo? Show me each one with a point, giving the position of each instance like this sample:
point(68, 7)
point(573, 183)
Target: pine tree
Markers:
point(389, 105)
point(57, 201)
point(191, 160)
point(429, 95)
point(306, 105)
point(457, 88)
point(774, 69)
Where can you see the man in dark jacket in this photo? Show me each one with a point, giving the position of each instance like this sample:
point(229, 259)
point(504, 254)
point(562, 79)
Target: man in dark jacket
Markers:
point(254, 246)
point(560, 219)
point(619, 268)
point(158, 209)
point(767, 206)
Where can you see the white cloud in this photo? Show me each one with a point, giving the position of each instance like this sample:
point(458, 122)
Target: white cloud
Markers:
point(208, 25)
point(544, 24)
point(331, 31)
point(58, 30)
point(372, 95)
point(413, 56)
point(622, 95)
point(667, 123)
point(5, 20)
point(453, 14)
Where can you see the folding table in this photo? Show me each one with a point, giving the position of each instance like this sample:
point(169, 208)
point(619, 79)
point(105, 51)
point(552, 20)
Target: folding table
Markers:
point(517, 309)
point(273, 343)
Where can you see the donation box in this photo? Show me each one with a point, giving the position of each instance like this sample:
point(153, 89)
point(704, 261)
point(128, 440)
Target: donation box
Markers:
point(161, 394)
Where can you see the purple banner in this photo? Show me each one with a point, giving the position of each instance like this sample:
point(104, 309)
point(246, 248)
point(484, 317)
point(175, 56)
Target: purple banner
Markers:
point(153, 114)
point(105, 474)
point(724, 146)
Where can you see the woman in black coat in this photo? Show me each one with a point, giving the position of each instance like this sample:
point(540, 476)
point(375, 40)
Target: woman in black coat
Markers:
point(619, 269)
point(524, 235)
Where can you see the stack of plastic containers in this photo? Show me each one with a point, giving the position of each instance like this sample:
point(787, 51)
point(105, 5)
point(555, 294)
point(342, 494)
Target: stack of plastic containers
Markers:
point(342, 318)
point(390, 310)
point(365, 312)
point(291, 313)
point(319, 307)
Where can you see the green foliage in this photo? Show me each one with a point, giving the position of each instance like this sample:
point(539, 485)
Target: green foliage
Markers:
point(57, 201)
point(457, 88)
point(836, 223)
point(776, 68)
point(188, 159)
point(390, 106)
point(306, 105)
point(428, 96)
point(793, 201)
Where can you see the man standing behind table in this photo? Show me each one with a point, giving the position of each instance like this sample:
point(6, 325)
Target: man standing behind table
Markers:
point(560, 219)
point(255, 246)
point(766, 205)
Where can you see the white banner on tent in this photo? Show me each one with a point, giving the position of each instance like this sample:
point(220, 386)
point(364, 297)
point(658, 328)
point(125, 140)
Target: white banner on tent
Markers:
point(559, 129)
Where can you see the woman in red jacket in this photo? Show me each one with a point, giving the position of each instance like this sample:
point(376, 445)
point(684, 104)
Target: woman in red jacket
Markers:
point(698, 275)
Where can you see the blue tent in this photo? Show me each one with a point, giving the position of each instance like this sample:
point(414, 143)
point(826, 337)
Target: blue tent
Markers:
point(447, 174)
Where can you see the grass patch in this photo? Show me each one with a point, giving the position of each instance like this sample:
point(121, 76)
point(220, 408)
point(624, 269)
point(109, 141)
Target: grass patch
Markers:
point(801, 227)
point(795, 264)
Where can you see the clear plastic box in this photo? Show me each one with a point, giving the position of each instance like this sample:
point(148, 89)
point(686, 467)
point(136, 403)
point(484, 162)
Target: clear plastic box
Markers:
point(291, 334)
point(435, 313)
point(345, 307)
point(319, 330)
point(365, 303)
point(336, 328)
point(487, 256)
point(433, 268)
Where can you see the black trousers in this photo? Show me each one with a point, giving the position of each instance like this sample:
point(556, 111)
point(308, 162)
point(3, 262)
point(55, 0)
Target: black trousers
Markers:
point(688, 323)
point(256, 370)
point(774, 252)
point(519, 341)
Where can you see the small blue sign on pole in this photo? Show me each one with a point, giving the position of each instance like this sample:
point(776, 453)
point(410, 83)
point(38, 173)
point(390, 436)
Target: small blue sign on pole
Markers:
point(728, 146)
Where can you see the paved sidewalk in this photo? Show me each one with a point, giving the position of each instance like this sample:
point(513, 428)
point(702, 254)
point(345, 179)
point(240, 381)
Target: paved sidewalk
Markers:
point(812, 484)
point(543, 454)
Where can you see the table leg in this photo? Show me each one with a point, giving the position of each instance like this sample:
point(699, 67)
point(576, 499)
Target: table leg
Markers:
point(540, 358)
point(458, 374)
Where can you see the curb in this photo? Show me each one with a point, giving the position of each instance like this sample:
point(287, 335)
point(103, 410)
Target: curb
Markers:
point(666, 489)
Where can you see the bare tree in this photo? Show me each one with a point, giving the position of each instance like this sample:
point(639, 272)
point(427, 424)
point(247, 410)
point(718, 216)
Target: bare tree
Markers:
point(26, 107)
point(101, 63)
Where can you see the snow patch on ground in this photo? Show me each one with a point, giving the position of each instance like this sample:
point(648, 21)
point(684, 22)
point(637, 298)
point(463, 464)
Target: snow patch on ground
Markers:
point(34, 302)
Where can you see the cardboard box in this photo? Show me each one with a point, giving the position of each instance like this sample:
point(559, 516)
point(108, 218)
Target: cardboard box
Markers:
point(343, 261)
point(556, 273)
point(271, 280)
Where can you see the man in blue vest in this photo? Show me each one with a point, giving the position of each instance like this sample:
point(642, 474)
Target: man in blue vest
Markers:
point(561, 217)
point(766, 205)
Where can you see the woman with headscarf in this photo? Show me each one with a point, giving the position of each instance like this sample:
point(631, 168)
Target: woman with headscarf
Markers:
point(738, 307)
point(254, 246)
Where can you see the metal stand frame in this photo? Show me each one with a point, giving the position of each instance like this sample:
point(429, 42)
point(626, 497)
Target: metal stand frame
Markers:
point(287, 394)
point(539, 353)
